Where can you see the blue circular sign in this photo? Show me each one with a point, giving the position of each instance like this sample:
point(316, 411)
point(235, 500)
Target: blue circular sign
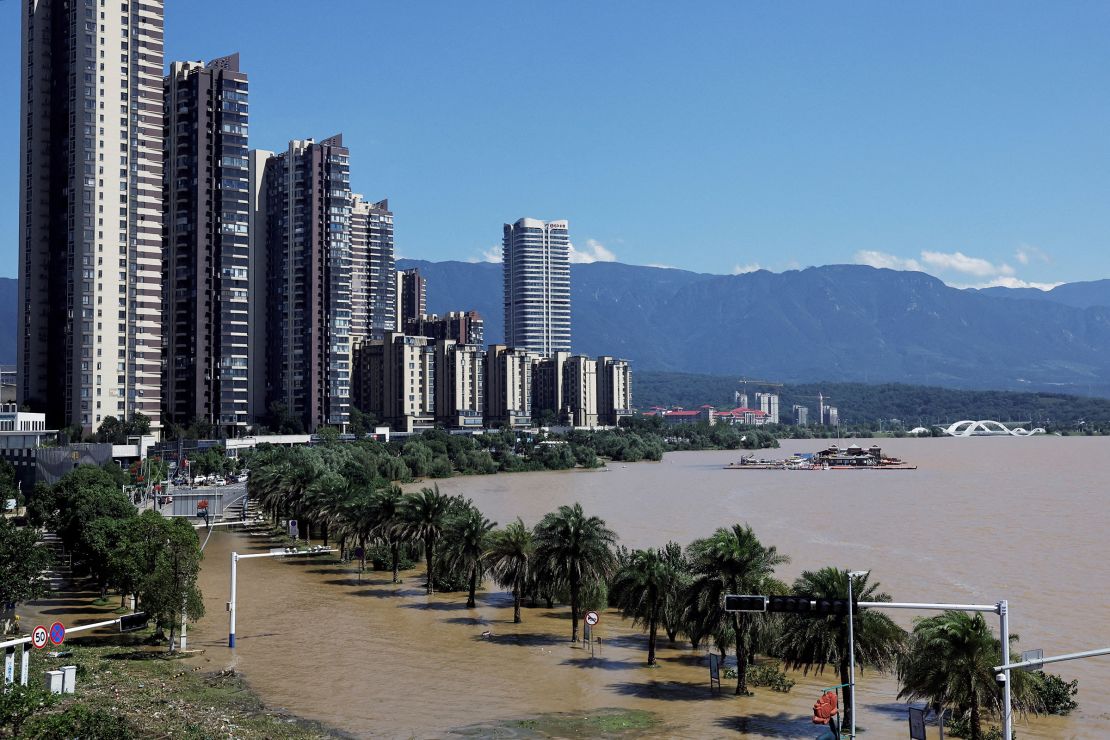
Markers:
point(57, 633)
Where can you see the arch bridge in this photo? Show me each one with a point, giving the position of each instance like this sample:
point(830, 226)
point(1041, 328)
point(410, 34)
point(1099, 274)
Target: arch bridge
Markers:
point(987, 428)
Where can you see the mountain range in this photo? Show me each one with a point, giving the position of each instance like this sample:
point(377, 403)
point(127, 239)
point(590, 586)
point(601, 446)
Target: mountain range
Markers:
point(836, 323)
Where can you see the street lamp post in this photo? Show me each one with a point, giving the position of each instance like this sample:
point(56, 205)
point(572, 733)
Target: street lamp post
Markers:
point(277, 552)
point(852, 575)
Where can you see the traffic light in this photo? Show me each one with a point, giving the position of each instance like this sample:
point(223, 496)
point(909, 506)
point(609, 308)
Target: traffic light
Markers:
point(129, 622)
point(833, 608)
point(734, 603)
point(789, 604)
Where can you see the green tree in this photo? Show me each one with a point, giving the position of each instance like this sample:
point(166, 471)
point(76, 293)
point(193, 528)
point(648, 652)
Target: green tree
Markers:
point(423, 520)
point(815, 643)
point(949, 663)
point(18, 704)
point(389, 522)
point(136, 552)
point(510, 554)
point(22, 562)
point(466, 541)
point(640, 591)
point(574, 551)
point(732, 561)
point(171, 590)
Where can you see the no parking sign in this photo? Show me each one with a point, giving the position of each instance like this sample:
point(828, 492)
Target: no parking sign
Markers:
point(57, 633)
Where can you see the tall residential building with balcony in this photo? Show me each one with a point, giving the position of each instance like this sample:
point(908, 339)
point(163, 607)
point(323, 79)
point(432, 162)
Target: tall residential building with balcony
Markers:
point(306, 197)
point(580, 391)
point(460, 384)
point(614, 390)
point(548, 398)
point(509, 386)
point(412, 297)
point(207, 249)
point(90, 210)
point(465, 327)
point(373, 274)
point(536, 266)
point(396, 380)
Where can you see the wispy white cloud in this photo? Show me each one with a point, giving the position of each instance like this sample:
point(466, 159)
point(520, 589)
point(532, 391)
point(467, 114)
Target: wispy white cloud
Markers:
point(661, 266)
point(874, 258)
point(493, 254)
point(594, 251)
point(1009, 281)
point(745, 269)
point(960, 262)
point(1027, 253)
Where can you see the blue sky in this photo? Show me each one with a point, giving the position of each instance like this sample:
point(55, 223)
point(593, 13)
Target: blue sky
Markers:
point(971, 140)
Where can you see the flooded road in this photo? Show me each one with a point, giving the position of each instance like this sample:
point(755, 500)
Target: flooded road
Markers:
point(980, 520)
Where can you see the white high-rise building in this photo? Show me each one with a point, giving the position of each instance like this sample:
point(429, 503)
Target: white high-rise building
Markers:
point(90, 212)
point(536, 264)
point(769, 404)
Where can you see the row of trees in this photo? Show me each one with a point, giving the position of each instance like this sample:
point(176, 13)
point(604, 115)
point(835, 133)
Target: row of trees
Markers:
point(150, 557)
point(573, 559)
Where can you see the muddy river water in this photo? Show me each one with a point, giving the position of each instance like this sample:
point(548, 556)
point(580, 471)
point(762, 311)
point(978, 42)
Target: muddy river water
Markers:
point(980, 520)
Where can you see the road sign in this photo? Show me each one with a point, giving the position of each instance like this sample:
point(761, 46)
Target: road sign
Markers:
point(57, 633)
point(39, 637)
point(591, 618)
point(1033, 655)
point(129, 622)
point(293, 533)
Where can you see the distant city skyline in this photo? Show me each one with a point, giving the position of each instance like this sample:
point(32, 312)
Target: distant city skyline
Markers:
point(968, 142)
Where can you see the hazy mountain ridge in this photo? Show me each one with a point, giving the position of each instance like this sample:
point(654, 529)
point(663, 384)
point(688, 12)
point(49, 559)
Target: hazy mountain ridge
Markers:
point(835, 323)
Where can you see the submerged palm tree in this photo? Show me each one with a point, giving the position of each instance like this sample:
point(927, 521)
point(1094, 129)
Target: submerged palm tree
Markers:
point(640, 590)
point(466, 541)
point(575, 551)
point(510, 555)
point(949, 663)
point(388, 522)
point(424, 518)
point(732, 561)
point(813, 643)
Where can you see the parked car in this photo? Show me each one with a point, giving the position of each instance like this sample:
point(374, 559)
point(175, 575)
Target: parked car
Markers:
point(242, 478)
point(220, 481)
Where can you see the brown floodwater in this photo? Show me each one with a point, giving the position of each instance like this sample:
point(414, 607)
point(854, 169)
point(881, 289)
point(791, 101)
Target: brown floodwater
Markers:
point(982, 519)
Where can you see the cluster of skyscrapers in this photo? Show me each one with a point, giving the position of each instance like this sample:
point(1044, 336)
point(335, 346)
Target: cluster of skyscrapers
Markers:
point(232, 285)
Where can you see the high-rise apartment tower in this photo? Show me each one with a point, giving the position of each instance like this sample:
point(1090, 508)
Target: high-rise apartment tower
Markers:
point(536, 265)
point(373, 291)
point(306, 194)
point(207, 248)
point(90, 211)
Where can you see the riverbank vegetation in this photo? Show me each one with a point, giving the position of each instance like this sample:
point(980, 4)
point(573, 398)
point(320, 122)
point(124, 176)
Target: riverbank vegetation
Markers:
point(125, 690)
point(572, 558)
point(862, 405)
point(103, 537)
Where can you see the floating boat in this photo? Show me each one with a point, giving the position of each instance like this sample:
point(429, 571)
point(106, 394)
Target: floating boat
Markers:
point(830, 458)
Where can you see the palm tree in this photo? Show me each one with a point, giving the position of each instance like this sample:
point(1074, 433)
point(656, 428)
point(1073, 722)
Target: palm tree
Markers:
point(423, 520)
point(466, 540)
point(510, 554)
point(732, 561)
point(817, 642)
point(674, 596)
point(949, 663)
point(574, 550)
point(640, 590)
point(388, 521)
